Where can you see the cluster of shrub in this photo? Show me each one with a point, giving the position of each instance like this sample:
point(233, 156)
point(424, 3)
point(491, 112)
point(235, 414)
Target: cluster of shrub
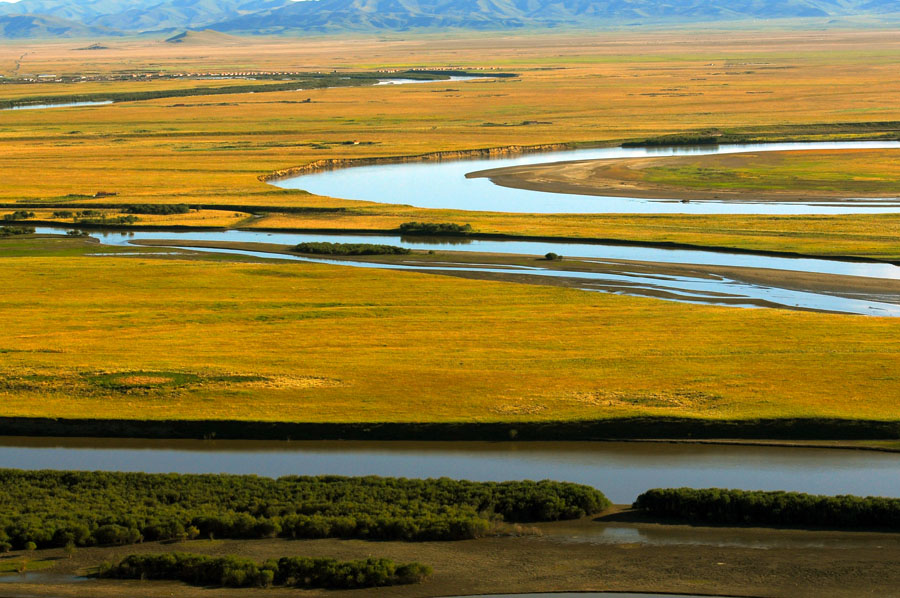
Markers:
point(434, 228)
point(10, 231)
point(95, 217)
point(140, 208)
point(324, 248)
point(156, 209)
point(237, 572)
point(714, 505)
point(56, 508)
point(18, 215)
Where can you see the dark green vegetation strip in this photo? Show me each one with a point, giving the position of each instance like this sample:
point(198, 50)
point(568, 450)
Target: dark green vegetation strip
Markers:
point(435, 228)
point(12, 231)
point(625, 428)
point(301, 81)
point(793, 509)
point(237, 572)
point(325, 248)
point(815, 132)
point(56, 508)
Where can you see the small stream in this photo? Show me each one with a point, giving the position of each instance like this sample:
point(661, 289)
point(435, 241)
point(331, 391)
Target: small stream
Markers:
point(632, 278)
point(63, 105)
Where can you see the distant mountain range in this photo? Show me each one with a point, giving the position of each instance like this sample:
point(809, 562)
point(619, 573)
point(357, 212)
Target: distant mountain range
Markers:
point(94, 18)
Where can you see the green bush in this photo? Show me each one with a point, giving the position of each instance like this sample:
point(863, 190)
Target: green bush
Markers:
point(18, 215)
point(349, 249)
point(53, 508)
point(714, 505)
point(435, 228)
point(289, 571)
point(158, 209)
point(11, 231)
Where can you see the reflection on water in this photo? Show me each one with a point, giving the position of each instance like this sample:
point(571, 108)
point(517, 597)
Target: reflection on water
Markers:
point(444, 185)
point(699, 288)
point(725, 537)
point(717, 290)
point(537, 248)
point(622, 470)
point(434, 241)
point(65, 105)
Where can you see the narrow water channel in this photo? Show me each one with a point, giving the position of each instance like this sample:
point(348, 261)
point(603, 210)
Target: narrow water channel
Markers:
point(628, 275)
point(62, 105)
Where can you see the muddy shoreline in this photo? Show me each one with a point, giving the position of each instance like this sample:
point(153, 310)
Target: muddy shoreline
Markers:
point(562, 556)
point(618, 178)
point(472, 154)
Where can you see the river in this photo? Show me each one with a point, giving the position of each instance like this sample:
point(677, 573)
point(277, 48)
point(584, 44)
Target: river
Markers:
point(444, 185)
point(635, 279)
point(622, 470)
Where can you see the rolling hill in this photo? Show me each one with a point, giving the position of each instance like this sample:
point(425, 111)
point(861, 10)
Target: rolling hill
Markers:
point(80, 17)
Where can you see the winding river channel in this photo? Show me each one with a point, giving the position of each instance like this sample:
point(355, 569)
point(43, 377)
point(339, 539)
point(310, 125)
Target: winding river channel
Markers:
point(631, 275)
point(446, 185)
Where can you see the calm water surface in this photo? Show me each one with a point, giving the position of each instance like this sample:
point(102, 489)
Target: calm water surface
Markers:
point(444, 185)
point(66, 105)
point(622, 470)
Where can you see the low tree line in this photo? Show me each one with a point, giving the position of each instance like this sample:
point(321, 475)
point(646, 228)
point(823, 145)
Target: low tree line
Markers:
point(715, 505)
point(324, 248)
point(237, 572)
point(11, 231)
point(156, 209)
point(18, 215)
point(434, 228)
point(56, 508)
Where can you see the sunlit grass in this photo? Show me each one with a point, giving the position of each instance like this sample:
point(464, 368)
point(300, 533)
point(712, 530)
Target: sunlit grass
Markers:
point(303, 342)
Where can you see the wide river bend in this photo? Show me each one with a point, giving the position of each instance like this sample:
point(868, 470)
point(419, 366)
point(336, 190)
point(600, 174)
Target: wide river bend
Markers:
point(444, 185)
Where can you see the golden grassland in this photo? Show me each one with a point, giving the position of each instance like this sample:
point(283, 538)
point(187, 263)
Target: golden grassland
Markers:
point(194, 218)
point(576, 89)
point(835, 173)
point(157, 337)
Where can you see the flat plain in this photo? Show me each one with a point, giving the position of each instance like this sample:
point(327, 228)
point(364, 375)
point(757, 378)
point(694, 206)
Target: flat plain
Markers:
point(220, 338)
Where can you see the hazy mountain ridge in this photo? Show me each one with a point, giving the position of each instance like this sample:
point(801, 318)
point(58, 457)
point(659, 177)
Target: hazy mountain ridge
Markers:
point(43, 27)
point(93, 17)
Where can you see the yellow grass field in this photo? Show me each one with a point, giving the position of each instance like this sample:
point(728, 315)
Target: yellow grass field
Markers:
point(573, 89)
point(156, 338)
point(851, 173)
